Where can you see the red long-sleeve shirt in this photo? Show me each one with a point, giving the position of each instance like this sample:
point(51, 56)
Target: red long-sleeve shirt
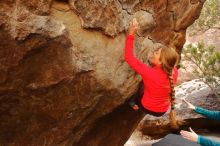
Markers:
point(156, 82)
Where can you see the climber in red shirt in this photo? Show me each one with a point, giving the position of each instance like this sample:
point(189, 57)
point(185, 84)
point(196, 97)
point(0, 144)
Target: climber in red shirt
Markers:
point(158, 79)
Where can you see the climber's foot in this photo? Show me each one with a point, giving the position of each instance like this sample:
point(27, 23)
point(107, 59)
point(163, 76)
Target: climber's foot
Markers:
point(134, 105)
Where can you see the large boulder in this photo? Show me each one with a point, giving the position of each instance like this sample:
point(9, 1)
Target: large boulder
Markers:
point(63, 74)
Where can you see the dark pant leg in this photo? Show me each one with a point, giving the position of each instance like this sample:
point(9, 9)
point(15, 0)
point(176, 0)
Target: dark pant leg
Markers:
point(136, 98)
point(156, 114)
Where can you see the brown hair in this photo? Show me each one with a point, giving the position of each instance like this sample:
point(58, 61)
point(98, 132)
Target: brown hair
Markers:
point(169, 58)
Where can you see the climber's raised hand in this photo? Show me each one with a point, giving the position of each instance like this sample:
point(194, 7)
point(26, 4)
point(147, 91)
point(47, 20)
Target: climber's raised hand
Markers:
point(133, 27)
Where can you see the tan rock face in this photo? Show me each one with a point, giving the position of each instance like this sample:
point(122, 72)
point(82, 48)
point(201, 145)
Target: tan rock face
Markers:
point(62, 67)
point(104, 15)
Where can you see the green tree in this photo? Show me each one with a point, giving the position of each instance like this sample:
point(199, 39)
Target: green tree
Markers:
point(207, 62)
point(209, 17)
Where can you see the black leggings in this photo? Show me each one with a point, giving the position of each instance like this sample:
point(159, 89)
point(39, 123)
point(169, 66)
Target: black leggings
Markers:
point(138, 98)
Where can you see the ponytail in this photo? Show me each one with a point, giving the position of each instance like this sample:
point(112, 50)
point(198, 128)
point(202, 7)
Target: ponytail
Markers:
point(172, 114)
point(169, 58)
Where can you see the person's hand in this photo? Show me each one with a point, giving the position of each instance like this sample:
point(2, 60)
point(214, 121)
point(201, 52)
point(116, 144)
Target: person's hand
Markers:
point(189, 135)
point(133, 27)
point(189, 104)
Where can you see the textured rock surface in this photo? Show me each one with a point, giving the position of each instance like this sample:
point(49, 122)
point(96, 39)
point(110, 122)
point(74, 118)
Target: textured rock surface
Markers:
point(62, 68)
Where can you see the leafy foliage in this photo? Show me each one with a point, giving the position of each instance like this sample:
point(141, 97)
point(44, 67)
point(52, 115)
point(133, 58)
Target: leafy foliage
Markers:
point(207, 62)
